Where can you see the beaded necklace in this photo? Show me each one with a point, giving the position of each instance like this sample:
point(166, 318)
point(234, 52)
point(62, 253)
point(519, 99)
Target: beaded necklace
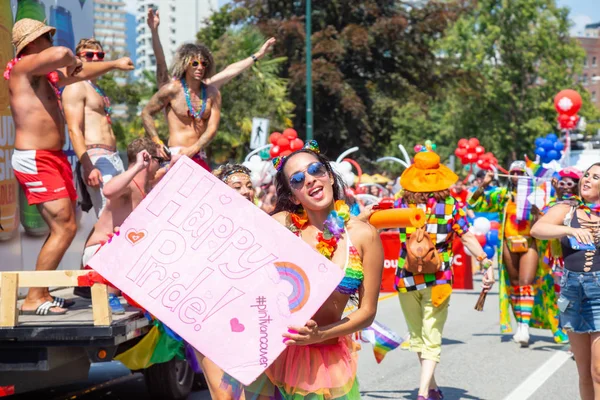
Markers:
point(51, 76)
point(191, 112)
point(107, 107)
point(333, 227)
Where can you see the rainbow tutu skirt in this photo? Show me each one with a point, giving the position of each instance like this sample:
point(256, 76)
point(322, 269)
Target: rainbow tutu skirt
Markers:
point(315, 372)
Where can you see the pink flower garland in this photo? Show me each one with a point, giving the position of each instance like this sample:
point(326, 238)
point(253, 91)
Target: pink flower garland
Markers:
point(52, 77)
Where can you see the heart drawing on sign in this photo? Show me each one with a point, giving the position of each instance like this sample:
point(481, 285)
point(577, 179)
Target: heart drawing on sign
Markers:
point(225, 199)
point(236, 326)
point(322, 268)
point(135, 236)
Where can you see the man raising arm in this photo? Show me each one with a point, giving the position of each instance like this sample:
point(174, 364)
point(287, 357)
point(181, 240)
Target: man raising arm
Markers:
point(40, 165)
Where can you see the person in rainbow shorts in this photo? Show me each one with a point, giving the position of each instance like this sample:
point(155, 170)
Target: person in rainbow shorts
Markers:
point(526, 279)
point(320, 360)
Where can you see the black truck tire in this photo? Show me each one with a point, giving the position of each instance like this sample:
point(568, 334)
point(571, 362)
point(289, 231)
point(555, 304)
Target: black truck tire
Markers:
point(172, 380)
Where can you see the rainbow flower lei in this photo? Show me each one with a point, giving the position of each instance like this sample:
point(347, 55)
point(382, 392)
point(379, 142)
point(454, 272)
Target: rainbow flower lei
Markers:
point(333, 228)
point(589, 208)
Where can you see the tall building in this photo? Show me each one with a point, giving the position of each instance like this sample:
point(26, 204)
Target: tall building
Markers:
point(590, 77)
point(179, 23)
point(109, 26)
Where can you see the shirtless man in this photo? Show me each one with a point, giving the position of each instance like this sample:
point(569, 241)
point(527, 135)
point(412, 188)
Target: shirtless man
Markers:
point(123, 193)
point(217, 81)
point(176, 133)
point(193, 107)
point(40, 165)
point(87, 111)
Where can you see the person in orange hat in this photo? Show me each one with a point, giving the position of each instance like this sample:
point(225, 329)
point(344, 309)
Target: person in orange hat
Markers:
point(424, 297)
point(40, 165)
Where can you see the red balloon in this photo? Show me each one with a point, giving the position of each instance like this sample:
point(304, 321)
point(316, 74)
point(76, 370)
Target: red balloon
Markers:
point(567, 102)
point(481, 239)
point(286, 153)
point(296, 144)
point(274, 152)
point(480, 163)
point(460, 152)
point(470, 157)
point(463, 143)
point(473, 142)
point(495, 225)
point(486, 165)
point(283, 143)
point(274, 138)
point(290, 134)
point(479, 150)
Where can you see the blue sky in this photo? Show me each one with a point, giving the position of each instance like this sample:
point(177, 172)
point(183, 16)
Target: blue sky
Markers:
point(582, 12)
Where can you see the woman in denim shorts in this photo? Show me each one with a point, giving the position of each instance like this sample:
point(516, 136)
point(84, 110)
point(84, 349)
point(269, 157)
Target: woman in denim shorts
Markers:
point(576, 223)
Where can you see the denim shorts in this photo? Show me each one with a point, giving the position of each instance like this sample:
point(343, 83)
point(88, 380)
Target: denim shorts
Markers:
point(579, 301)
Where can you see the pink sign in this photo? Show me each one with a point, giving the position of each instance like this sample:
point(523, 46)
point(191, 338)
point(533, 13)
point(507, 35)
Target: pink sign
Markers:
point(217, 270)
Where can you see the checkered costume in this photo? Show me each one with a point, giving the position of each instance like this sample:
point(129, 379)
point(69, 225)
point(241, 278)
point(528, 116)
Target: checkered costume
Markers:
point(443, 219)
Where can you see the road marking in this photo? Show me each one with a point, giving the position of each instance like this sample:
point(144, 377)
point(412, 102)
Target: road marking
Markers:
point(539, 376)
point(382, 298)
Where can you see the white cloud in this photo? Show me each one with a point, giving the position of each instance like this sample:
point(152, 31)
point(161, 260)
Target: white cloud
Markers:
point(579, 21)
point(131, 6)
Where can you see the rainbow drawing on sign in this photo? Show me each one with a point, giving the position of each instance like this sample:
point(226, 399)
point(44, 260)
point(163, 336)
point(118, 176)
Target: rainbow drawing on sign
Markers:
point(297, 278)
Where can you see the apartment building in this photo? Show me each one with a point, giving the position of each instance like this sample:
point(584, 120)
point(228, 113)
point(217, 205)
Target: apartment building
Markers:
point(180, 21)
point(590, 77)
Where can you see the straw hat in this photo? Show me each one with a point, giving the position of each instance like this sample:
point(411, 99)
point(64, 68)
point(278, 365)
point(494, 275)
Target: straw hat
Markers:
point(426, 174)
point(26, 30)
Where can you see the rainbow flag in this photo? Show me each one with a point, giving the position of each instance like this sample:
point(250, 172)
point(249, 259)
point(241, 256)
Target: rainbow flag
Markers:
point(537, 170)
point(382, 338)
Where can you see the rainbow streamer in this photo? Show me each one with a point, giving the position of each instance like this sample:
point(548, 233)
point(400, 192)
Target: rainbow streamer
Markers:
point(537, 170)
point(382, 338)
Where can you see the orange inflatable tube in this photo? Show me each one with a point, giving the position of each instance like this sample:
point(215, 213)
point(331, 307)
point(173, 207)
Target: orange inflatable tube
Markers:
point(398, 218)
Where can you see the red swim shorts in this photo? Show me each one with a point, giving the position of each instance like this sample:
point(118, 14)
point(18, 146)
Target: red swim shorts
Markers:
point(44, 175)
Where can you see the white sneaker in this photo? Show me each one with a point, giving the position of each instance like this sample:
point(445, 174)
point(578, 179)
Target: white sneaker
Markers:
point(524, 337)
point(517, 335)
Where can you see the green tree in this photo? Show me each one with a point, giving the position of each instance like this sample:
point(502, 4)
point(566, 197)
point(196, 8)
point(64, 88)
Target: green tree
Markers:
point(370, 57)
point(516, 55)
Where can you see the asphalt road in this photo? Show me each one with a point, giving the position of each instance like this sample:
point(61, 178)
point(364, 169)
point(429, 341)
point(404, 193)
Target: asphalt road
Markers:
point(477, 363)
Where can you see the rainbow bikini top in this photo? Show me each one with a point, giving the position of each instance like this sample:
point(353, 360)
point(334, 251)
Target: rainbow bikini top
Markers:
point(353, 270)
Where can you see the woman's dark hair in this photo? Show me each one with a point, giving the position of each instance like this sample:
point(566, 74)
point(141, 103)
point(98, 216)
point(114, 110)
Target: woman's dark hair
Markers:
point(284, 192)
point(409, 197)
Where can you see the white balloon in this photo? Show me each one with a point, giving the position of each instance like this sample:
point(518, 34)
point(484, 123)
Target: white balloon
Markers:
point(345, 166)
point(482, 225)
point(256, 179)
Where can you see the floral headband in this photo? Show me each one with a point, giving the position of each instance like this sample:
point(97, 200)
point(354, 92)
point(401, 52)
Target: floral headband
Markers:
point(242, 170)
point(311, 145)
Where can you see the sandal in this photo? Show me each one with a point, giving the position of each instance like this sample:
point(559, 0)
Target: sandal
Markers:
point(43, 309)
point(63, 303)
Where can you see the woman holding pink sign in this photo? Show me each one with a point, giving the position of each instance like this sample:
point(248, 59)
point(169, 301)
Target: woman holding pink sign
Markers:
point(320, 361)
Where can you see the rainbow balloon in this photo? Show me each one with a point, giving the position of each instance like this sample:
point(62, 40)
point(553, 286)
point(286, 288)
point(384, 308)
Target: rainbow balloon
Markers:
point(297, 278)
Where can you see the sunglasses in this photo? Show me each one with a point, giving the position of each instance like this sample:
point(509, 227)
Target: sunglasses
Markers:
point(89, 55)
point(159, 159)
point(316, 169)
point(517, 173)
point(566, 184)
point(195, 63)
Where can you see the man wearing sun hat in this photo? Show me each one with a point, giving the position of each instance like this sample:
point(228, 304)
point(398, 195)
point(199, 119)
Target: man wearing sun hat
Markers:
point(40, 165)
point(424, 297)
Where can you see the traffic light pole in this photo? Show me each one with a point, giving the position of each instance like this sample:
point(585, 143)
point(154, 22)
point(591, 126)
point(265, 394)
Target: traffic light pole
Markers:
point(309, 99)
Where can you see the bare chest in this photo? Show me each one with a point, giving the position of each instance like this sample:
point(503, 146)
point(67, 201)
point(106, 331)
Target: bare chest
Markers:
point(179, 106)
point(94, 102)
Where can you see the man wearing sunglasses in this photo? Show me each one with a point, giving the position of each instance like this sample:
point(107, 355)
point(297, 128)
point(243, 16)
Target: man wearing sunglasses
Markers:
point(193, 107)
point(181, 138)
point(87, 110)
point(40, 165)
